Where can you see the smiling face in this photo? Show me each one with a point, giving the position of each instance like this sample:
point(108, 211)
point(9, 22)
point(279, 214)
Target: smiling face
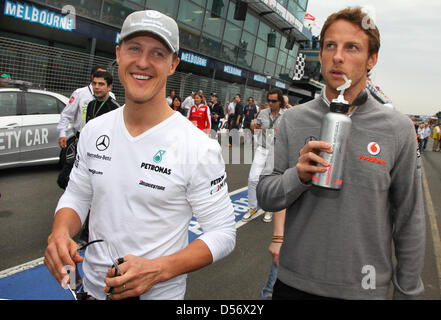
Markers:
point(197, 99)
point(345, 51)
point(144, 63)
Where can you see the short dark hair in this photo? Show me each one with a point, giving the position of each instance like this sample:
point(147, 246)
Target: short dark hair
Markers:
point(95, 68)
point(103, 74)
point(279, 96)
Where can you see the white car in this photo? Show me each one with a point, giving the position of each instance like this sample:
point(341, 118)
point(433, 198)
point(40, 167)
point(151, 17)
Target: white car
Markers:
point(28, 126)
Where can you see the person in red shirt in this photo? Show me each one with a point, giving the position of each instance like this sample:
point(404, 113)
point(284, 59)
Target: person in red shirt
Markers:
point(199, 114)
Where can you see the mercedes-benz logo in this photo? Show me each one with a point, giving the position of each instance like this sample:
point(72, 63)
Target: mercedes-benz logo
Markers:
point(102, 143)
point(153, 14)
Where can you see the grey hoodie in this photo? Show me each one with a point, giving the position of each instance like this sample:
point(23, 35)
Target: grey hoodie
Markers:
point(334, 240)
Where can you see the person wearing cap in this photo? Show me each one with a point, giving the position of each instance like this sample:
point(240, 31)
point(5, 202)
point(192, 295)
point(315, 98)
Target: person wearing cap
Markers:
point(4, 79)
point(144, 171)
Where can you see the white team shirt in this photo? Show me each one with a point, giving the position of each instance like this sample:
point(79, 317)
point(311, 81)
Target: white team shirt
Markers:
point(76, 110)
point(142, 192)
point(187, 104)
point(231, 107)
point(426, 132)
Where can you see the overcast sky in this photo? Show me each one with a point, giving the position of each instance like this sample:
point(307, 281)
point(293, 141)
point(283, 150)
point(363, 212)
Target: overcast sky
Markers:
point(409, 64)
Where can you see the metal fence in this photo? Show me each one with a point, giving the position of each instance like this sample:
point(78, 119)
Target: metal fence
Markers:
point(63, 71)
point(50, 68)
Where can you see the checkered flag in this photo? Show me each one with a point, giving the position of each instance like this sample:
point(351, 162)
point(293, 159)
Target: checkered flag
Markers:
point(300, 67)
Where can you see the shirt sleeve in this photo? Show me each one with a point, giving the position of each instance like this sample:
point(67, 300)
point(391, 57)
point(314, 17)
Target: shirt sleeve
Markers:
point(79, 192)
point(208, 196)
point(68, 113)
point(408, 217)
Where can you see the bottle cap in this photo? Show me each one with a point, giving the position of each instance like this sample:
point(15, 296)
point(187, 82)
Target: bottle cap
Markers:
point(339, 107)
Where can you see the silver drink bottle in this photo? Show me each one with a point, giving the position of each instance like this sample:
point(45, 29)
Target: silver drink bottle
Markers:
point(336, 127)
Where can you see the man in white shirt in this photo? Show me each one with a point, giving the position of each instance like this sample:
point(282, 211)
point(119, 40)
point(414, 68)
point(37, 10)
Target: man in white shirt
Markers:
point(231, 107)
point(143, 170)
point(188, 103)
point(170, 97)
point(76, 109)
point(426, 134)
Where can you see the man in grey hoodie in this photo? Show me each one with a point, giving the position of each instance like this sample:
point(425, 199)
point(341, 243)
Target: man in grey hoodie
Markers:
point(338, 244)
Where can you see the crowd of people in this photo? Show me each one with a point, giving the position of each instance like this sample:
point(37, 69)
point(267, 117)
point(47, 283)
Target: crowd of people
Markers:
point(426, 131)
point(142, 171)
point(206, 112)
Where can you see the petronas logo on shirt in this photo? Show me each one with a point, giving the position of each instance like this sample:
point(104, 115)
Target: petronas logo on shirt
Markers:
point(158, 156)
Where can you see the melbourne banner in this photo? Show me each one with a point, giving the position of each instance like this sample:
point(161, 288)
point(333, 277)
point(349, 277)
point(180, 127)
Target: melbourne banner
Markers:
point(33, 14)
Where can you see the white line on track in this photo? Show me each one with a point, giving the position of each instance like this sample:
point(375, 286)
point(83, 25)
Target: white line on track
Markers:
point(22, 267)
point(433, 225)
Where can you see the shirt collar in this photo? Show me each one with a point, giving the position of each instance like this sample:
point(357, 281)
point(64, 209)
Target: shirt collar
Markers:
point(324, 98)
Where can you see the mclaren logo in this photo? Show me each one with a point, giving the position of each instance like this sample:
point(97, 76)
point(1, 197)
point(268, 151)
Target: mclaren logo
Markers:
point(102, 143)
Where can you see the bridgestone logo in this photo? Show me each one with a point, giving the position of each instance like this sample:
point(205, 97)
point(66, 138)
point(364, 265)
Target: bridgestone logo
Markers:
point(150, 185)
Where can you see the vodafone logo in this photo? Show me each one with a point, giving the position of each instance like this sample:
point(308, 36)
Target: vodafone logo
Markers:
point(373, 148)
